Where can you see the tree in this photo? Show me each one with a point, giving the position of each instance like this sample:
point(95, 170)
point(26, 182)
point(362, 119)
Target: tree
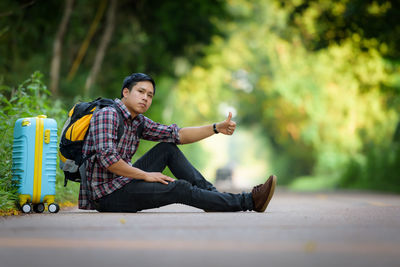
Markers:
point(104, 42)
point(146, 36)
point(373, 24)
point(319, 109)
point(57, 48)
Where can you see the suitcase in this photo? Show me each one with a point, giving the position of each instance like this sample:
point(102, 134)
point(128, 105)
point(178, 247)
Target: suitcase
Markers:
point(34, 163)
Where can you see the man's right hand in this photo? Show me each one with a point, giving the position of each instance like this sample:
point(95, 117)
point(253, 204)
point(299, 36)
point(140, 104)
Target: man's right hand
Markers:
point(157, 177)
point(124, 169)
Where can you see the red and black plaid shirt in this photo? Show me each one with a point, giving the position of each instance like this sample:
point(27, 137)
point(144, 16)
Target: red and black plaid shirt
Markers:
point(102, 139)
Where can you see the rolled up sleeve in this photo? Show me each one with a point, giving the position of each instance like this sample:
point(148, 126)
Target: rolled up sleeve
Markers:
point(105, 137)
point(154, 131)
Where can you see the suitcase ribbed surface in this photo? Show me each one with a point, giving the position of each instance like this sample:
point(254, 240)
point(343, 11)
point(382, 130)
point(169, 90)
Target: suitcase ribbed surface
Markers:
point(35, 158)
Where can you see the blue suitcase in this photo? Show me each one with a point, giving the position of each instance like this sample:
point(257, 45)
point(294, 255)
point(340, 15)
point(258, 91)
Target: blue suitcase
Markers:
point(34, 163)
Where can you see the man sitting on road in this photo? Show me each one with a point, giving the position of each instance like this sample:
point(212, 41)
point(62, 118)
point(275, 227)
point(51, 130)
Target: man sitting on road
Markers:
point(114, 184)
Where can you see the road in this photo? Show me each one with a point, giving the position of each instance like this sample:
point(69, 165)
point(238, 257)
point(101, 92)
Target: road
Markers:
point(298, 229)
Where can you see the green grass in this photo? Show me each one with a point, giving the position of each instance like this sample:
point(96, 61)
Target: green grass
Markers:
point(313, 183)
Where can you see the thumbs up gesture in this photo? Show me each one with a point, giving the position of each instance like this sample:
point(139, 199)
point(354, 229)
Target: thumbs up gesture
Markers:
point(228, 126)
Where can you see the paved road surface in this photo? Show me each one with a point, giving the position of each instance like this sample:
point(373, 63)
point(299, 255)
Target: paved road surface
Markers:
point(319, 229)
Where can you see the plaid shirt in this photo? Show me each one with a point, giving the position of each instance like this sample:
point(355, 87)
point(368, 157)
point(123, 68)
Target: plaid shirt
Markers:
point(102, 139)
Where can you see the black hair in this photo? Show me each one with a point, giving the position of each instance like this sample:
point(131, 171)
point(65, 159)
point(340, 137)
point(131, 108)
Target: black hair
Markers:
point(131, 80)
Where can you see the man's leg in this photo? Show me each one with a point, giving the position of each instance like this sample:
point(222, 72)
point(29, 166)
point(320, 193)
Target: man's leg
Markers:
point(139, 195)
point(168, 154)
point(191, 188)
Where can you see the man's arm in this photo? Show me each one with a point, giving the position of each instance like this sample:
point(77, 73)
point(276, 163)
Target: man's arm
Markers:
point(189, 135)
point(124, 169)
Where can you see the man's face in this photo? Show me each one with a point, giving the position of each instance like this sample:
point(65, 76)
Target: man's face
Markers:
point(139, 99)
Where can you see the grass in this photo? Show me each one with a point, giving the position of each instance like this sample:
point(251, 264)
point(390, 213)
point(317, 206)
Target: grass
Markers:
point(313, 183)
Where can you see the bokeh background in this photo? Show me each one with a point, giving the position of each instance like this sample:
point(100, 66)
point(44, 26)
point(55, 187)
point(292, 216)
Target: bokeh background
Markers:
point(314, 85)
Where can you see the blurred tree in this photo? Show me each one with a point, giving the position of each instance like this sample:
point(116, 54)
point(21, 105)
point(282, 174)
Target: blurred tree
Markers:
point(148, 36)
point(322, 82)
point(101, 50)
point(57, 47)
point(88, 38)
point(316, 108)
point(374, 24)
point(370, 25)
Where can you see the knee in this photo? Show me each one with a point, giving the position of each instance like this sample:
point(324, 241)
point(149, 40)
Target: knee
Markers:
point(167, 147)
point(182, 190)
point(182, 185)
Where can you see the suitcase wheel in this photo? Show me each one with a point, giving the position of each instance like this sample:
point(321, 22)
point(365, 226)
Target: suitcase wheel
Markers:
point(38, 208)
point(26, 208)
point(53, 208)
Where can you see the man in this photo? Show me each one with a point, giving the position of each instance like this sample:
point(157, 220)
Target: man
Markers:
point(115, 185)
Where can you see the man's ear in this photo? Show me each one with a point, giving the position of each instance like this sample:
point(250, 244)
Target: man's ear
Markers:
point(125, 92)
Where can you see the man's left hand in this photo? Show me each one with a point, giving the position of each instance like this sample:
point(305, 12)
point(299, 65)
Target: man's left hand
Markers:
point(228, 126)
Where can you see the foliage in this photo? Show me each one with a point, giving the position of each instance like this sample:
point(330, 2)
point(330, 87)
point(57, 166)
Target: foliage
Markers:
point(319, 109)
point(323, 23)
point(29, 99)
point(146, 39)
point(319, 78)
point(377, 170)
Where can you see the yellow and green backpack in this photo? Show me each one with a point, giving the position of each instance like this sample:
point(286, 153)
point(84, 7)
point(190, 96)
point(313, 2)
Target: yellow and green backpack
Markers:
point(73, 136)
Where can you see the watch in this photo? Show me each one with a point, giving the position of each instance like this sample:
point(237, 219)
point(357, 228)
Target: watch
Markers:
point(215, 128)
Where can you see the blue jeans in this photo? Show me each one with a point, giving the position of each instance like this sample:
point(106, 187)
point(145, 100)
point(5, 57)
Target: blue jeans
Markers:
point(190, 189)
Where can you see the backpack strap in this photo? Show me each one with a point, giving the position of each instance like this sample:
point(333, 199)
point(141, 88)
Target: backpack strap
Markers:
point(121, 127)
point(139, 131)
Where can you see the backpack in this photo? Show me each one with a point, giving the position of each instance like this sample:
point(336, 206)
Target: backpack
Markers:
point(74, 133)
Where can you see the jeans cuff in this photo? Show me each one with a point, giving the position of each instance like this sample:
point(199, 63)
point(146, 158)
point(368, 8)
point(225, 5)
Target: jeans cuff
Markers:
point(248, 201)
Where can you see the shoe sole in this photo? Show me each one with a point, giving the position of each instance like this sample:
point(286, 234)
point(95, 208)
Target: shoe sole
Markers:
point(271, 193)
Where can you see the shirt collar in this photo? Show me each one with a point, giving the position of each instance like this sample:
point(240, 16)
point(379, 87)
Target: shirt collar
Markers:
point(123, 108)
point(126, 113)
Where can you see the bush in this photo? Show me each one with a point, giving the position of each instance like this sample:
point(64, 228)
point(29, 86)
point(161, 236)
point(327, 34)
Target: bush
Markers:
point(29, 99)
point(377, 169)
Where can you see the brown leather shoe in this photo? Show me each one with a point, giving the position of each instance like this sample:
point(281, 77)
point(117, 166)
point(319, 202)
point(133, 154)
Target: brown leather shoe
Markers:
point(262, 194)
